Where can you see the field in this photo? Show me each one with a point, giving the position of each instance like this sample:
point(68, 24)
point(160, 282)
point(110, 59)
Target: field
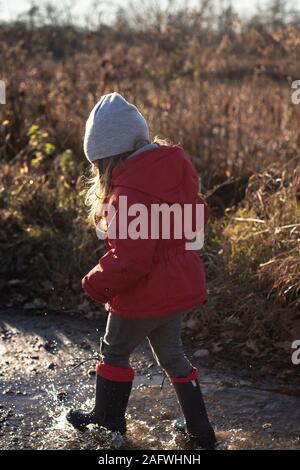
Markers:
point(227, 99)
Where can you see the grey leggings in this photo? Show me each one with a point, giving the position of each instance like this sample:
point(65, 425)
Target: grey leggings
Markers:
point(123, 335)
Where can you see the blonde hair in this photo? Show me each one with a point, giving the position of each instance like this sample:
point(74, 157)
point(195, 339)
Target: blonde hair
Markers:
point(100, 179)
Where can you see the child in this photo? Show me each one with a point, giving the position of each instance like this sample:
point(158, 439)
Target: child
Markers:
point(145, 283)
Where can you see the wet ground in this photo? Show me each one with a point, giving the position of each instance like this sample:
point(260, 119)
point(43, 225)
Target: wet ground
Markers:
point(41, 377)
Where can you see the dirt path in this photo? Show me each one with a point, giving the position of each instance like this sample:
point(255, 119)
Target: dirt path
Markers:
point(39, 383)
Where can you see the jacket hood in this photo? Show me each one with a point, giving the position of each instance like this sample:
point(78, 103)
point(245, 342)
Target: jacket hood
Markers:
point(165, 173)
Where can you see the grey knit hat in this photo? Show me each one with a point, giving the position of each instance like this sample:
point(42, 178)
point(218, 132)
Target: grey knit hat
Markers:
point(113, 127)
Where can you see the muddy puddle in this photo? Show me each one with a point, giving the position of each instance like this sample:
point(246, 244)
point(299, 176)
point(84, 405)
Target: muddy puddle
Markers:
point(42, 375)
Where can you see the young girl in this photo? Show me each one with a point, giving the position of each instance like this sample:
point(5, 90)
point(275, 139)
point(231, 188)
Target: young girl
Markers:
point(146, 283)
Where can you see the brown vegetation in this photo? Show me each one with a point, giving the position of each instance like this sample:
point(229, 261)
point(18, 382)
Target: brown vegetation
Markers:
point(225, 98)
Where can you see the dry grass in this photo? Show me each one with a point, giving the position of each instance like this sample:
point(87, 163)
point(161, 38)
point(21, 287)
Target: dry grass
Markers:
point(262, 238)
point(252, 260)
point(227, 100)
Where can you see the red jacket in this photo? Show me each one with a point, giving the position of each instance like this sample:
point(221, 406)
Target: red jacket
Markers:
point(145, 278)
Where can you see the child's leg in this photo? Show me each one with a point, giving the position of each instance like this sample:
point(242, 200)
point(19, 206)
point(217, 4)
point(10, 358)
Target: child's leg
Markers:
point(114, 374)
point(166, 345)
point(120, 339)
point(167, 349)
point(122, 336)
